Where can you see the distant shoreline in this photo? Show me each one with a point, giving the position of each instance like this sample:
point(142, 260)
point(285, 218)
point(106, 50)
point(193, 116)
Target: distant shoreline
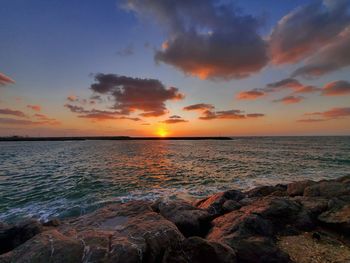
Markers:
point(106, 138)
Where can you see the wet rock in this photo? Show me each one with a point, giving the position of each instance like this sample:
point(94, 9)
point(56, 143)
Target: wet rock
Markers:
point(327, 189)
point(297, 188)
point(214, 203)
point(53, 222)
point(338, 217)
point(231, 205)
point(314, 205)
point(50, 246)
point(190, 220)
point(198, 250)
point(12, 236)
point(266, 190)
point(260, 249)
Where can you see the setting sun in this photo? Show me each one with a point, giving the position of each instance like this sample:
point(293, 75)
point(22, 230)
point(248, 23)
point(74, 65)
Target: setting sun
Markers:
point(162, 132)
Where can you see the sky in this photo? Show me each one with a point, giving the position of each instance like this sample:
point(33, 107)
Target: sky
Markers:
point(174, 68)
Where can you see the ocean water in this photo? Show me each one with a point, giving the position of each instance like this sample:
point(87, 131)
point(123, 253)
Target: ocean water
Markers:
point(62, 179)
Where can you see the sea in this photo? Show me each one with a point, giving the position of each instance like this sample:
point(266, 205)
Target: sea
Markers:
point(60, 179)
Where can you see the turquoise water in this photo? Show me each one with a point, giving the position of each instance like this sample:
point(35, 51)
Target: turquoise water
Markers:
point(60, 179)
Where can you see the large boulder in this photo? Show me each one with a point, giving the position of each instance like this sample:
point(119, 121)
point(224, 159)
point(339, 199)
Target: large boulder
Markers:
point(49, 246)
point(266, 190)
point(327, 189)
point(337, 217)
point(218, 204)
point(198, 250)
point(123, 233)
point(12, 236)
point(260, 249)
point(190, 220)
point(297, 188)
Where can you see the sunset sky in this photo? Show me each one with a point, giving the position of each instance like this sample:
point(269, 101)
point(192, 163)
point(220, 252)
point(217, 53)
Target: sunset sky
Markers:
point(175, 68)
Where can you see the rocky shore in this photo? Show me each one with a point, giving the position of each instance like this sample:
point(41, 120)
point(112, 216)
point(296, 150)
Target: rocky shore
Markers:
point(303, 221)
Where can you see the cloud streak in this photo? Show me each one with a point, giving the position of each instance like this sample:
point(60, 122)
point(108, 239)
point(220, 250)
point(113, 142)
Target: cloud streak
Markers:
point(5, 80)
point(16, 113)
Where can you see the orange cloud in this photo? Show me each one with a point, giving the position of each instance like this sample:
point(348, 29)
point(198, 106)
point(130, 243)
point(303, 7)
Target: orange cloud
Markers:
point(199, 107)
point(250, 95)
point(336, 88)
point(333, 113)
point(290, 99)
point(34, 107)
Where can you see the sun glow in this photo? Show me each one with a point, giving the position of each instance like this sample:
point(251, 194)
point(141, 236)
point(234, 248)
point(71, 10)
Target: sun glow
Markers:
point(162, 132)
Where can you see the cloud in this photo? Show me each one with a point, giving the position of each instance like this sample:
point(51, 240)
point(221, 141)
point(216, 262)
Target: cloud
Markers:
point(329, 58)
point(11, 121)
point(16, 113)
point(126, 51)
point(174, 119)
point(98, 115)
point(208, 112)
point(333, 113)
point(132, 94)
point(44, 119)
point(5, 80)
point(72, 98)
point(250, 95)
point(290, 99)
point(34, 107)
point(311, 120)
point(288, 83)
point(308, 28)
point(206, 39)
point(336, 88)
point(199, 107)
point(307, 89)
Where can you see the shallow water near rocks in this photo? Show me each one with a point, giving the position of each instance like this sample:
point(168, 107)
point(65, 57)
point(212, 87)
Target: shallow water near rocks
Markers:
point(69, 178)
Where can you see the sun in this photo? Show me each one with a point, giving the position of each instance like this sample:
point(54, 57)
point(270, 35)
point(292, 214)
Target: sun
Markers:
point(162, 132)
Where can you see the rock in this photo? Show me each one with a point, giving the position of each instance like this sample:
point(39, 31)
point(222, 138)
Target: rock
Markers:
point(260, 249)
point(314, 205)
point(231, 205)
point(121, 233)
point(50, 246)
point(190, 220)
point(214, 203)
point(15, 235)
point(297, 188)
point(198, 250)
point(262, 191)
point(53, 222)
point(327, 189)
point(338, 217)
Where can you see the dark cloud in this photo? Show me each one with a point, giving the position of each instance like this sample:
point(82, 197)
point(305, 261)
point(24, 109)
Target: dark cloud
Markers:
point(199, 107)
point(16, 113)
point(126, 51)
point(132, 94)
point(290, 99)
point(206, 38)
point(250, 95)
point(175, 117)
point(307, 28)
point(255, 115)
point(331, 57)
point(174, 120)
point(336, 88)
point(288, 83)
point(34, 107)
point(5, 80)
